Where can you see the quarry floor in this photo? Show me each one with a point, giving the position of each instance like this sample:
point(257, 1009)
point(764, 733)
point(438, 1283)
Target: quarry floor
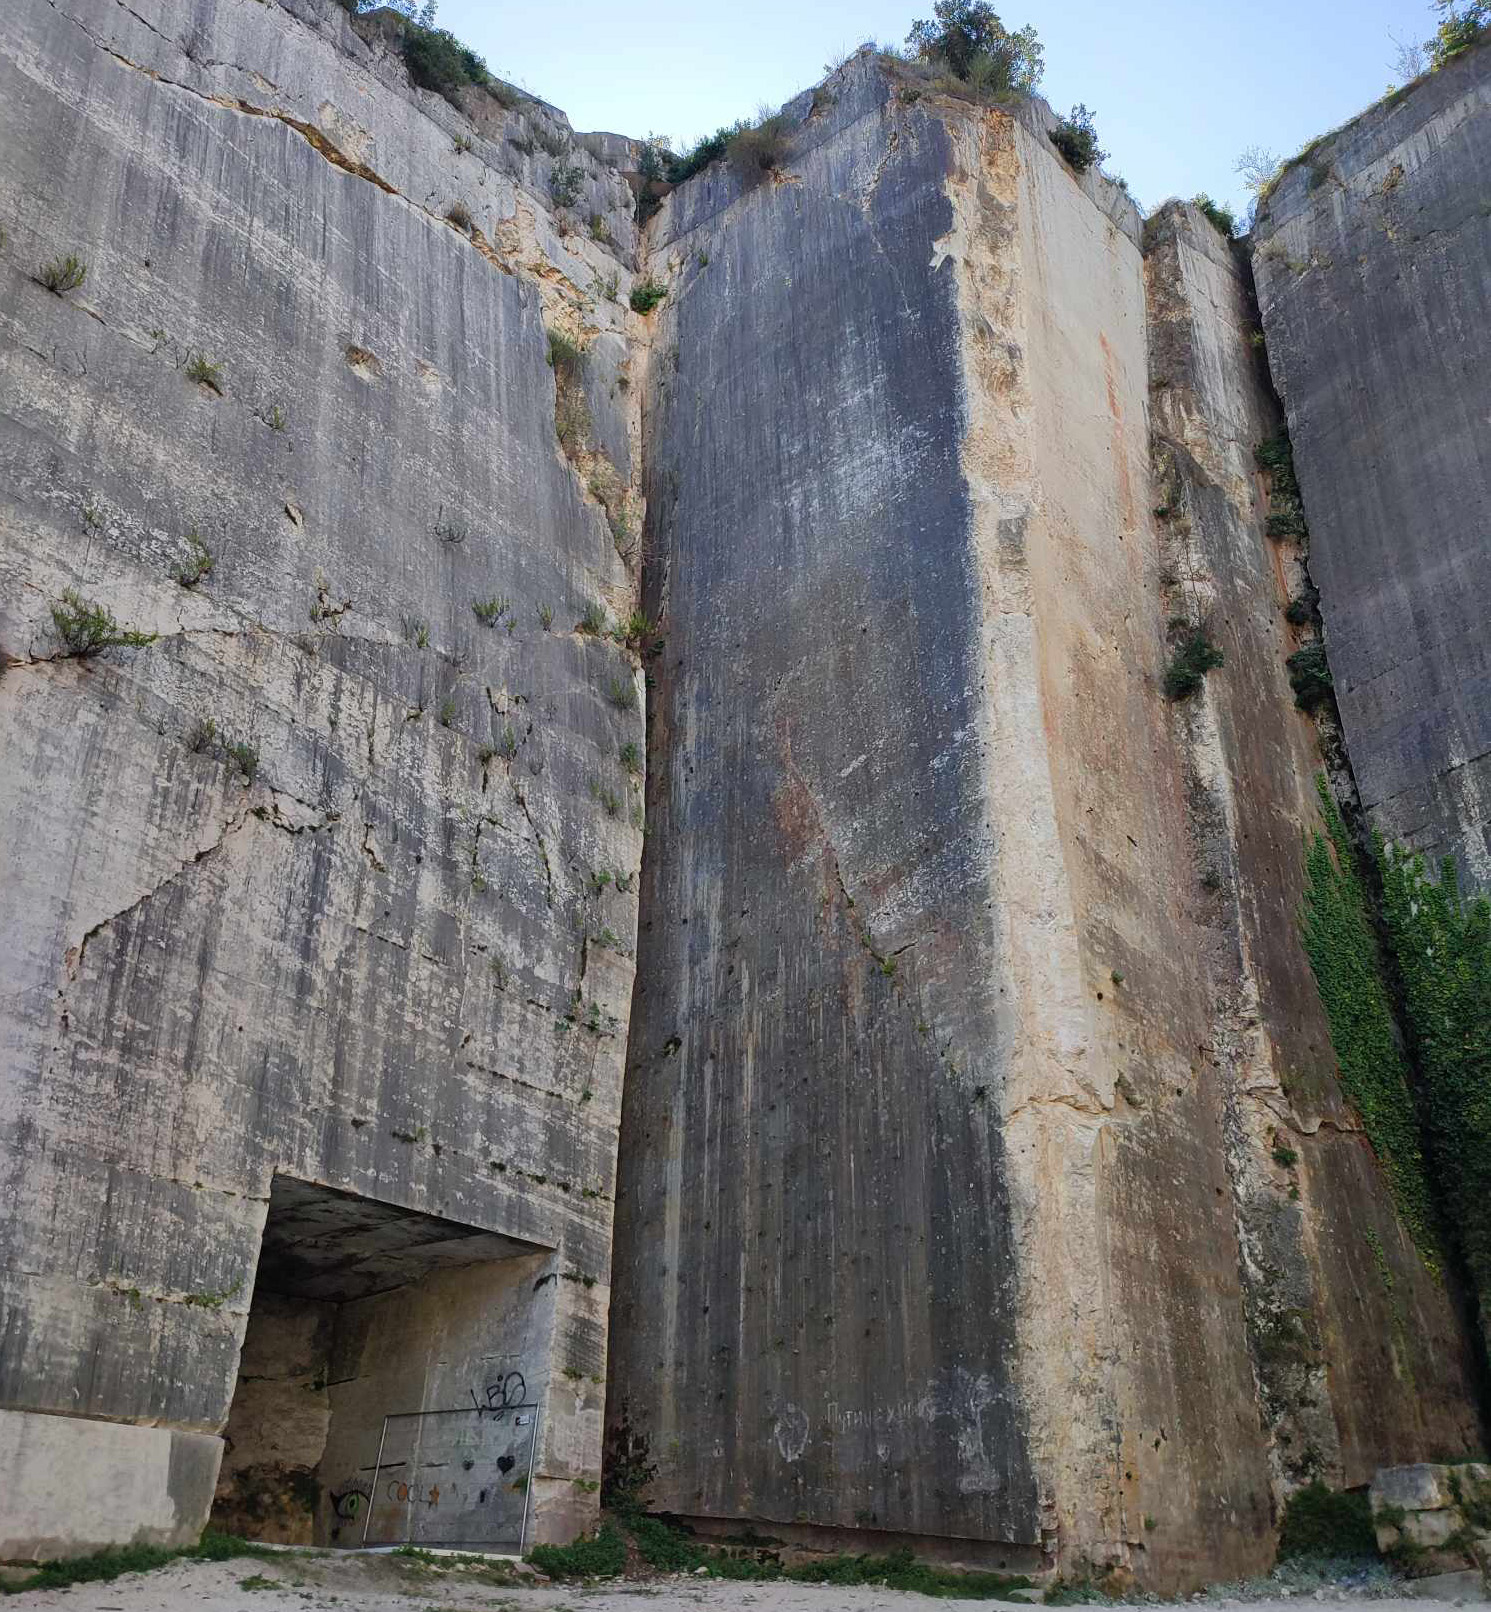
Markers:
point(309, 1583)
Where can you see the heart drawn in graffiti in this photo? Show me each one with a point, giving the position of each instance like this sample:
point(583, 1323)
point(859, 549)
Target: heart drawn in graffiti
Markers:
point(505, 1464)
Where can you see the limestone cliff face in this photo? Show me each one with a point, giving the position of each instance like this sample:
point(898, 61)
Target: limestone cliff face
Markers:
point(972, 1026)
point(1371, 261)
point(366, 949)
point(984, 1182)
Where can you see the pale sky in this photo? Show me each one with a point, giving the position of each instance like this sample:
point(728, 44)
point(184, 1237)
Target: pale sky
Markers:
point(1179, 87)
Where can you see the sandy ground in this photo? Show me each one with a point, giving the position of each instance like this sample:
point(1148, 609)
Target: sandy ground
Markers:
point(307, 1582)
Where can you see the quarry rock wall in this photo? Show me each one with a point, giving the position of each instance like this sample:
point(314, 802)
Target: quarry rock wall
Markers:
point(311, 882)
point(972, 1029)
point(1371, 255)
point(984, 1182)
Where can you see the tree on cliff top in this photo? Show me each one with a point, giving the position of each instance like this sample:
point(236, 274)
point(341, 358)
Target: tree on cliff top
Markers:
point(1461, 27)
point(968, 39)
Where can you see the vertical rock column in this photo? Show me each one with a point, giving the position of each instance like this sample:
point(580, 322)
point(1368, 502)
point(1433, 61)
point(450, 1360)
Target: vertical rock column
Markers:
point(1371, 255)
point(969, 967)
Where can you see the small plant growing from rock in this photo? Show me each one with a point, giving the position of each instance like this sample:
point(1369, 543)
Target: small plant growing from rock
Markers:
point(565, 355)
point(63, 274)
point(1310, 676)
point(1076, 138)
point(646, 294)
point(622, 693)
point(1194, 656)
point(205, 372)
point(197, 565)
point(245, 757)
point(1302, 609)
point(594, 619)
point(202, 736)
point(447, 712)
point(490, 611)
point(1219, 215)
point(87, 629)
point(416, 632)
point(459, 214)
point(449, 531)
point(546, 616)
point(507, 746)
point(631, 757)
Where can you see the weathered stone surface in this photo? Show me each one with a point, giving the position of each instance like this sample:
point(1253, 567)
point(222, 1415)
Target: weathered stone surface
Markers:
point(90, 1484)
point(971, 1008)
point(1371, 261)
point(1435, 1521)
point(986, 1186)
point(374, 956)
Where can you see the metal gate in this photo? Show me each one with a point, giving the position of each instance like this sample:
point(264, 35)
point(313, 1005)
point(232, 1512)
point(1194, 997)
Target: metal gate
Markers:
point(456, 1477)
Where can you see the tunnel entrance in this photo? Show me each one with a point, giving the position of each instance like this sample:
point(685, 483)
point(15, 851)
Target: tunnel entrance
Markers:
point(391, 1379)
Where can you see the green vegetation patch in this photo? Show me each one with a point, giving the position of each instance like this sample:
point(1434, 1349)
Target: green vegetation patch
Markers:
point(598, 1555)
point(1442, 945)
point(117, 1560)
point(1342, 948)
point(1324, 1522)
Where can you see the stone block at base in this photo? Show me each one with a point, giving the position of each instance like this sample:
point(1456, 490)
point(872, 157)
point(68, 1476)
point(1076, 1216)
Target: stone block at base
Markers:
point(74, 1485)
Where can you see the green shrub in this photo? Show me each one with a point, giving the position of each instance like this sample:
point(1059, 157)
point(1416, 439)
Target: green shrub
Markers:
point(63, 274)
point(1310, 676)
point(699, 156)
point(668, 1549)
point(759, 148)
point(438, 61)
point(622, 693)
point(87, 629)
point(490, 611)
point(1222, 217)
point(1321, 1522)
point(593, 620)
point(1304, 607)
point(598, 1555)
point(646, 294)
point(245, 757)
point(1192, 658)
point(1276, 456)
point(1459, 30)
point(967, 38)
point(566, 355)
point(564, 183)
point(1076, 138)
point(1286, 519)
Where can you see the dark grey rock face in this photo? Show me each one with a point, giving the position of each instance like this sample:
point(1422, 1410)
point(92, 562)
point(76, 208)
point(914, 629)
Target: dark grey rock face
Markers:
point(1372, 264)
point(815, 1318)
